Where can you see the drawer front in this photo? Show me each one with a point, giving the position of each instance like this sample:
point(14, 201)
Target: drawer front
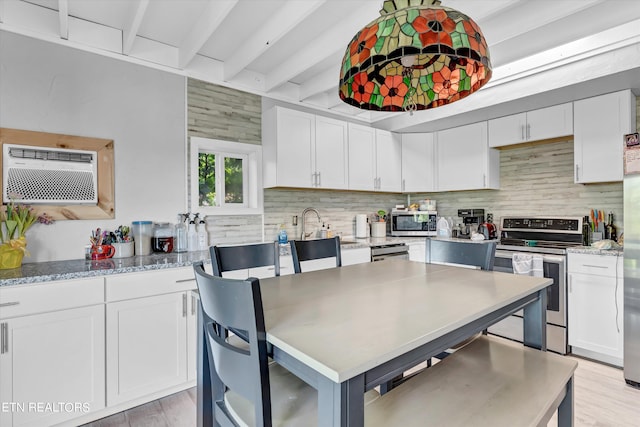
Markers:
point(137, 285)
point(50, 296)
point(601, 265)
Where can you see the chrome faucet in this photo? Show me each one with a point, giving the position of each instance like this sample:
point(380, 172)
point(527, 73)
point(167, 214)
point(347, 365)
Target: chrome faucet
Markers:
point(304, 213)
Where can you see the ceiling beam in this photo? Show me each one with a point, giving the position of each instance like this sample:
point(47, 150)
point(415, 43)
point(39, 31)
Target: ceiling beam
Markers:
point(130, 30)
point(276, 27)
point(63, 15)
point(211, 18)
point(332, 42)
point(319, 83)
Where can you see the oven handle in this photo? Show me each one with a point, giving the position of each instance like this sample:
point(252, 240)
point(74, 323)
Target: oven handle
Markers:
point(556, 259)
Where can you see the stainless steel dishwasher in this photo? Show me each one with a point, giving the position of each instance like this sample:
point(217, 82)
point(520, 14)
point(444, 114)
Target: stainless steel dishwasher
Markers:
point(389, 250)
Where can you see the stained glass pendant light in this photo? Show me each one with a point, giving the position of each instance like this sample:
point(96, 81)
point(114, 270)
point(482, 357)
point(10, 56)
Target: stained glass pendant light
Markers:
point(417, 55)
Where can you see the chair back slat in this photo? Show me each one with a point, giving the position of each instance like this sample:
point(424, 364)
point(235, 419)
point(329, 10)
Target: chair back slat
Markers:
point(462, 252)
point(228, 304)
point(229, 258)
point(307, 250)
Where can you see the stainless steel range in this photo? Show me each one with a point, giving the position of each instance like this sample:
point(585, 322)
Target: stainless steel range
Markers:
point(548, 237)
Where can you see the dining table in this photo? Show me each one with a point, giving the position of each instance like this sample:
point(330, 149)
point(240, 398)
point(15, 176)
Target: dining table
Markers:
point(346, 330)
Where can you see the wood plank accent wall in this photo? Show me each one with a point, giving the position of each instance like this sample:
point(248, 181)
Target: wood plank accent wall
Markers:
point(535, 180)
point(219, 112)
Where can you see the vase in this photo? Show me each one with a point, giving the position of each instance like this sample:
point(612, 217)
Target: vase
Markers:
point(11, 254)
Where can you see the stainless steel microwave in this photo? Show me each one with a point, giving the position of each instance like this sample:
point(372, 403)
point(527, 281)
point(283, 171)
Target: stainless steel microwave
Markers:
point(413, 223)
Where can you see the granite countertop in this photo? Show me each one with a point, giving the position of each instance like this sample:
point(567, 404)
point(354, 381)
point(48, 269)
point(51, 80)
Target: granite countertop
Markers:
point(78, 268)
point(590, 250)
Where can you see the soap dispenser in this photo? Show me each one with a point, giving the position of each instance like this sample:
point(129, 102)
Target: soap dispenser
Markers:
point(192, 236)
point(203, 236)
point(182, 242)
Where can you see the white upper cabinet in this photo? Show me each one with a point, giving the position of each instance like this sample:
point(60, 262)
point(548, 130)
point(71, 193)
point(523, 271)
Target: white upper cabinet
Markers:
point(535, 125)
point(465, 161)
point(418, 163)
point(288, 139)
point(362, 157)
point(304, 150)
point(388, 161)
point(600, 125)
point(374, 159)
point(331, 154)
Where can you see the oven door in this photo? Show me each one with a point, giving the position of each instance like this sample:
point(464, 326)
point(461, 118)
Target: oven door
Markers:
point(554, 267)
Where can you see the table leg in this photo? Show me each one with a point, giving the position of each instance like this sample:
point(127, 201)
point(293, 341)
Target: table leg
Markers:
point(565, 410)
point(535, 322)
point(341, 404)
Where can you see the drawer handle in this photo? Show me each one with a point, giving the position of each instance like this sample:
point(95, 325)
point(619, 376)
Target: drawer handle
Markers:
point(9, 304)
point(4, 338)
point(186, 280)
point(594, 266)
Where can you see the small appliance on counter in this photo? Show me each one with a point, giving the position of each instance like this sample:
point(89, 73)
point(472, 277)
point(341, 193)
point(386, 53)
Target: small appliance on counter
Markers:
point(471, 220)
point(413, 223)
point(362, 226)
point(488, 229)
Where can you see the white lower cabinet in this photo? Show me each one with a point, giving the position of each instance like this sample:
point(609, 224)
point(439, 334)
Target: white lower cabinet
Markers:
point(418, 251)
point(52, 352)
point(52, 366)
point(595, 307)
point(150, 333)
point(146, 346)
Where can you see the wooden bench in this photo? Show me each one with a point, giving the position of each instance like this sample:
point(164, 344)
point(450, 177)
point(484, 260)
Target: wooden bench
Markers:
point(489, 382)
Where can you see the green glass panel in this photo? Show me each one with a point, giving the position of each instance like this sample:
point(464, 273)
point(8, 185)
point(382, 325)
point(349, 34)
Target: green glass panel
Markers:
point(456, 40)
point(412, 14)
point(388, 27)
point(464, 38)
point(416, 40)
point(465, 84)
point(430, 80)
point(460, 28)
point(233, 174)
point(431, 94)
point(207, 179)
point(378, 46)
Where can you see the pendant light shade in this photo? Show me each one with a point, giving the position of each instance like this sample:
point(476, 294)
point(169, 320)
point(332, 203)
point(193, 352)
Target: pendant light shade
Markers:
point(417, 55)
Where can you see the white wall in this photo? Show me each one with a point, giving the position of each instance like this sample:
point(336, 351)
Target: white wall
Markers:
point(51, 88)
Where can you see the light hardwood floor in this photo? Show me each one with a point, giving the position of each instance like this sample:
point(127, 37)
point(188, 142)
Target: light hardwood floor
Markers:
point(602, 399)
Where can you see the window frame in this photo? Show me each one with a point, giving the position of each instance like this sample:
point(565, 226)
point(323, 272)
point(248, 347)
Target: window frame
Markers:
point(251, 155)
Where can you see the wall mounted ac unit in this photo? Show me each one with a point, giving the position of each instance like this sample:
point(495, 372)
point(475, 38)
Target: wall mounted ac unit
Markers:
point(49, 175)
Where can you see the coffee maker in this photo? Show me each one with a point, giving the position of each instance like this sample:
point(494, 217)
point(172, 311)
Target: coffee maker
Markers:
point(471, 220)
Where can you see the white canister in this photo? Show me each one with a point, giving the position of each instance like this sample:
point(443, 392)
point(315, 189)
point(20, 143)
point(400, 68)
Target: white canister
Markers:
point(361, 226)
point(378, 229)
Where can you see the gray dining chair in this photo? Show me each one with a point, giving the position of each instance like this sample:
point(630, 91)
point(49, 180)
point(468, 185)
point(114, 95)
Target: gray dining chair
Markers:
point(480, 254)
point(241, 257)
point(307, 250)
point(247, 388)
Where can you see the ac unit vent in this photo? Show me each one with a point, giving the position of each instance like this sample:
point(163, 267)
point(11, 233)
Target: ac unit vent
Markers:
point(46, 175)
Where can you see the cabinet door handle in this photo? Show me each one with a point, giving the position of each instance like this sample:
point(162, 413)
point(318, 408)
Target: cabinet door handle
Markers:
point(193, 305)
point(484, 180)
point(403, 186)
point(185, 280)
point(4, 338)
point(9, 304)
point(528, 131)
point(319, 180)
point(184, 305)
point(577, 172)
point(522, 132)
point(594, 266)
point(570, 284)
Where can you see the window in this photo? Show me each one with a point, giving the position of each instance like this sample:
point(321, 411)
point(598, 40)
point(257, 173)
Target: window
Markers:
point(226, 177)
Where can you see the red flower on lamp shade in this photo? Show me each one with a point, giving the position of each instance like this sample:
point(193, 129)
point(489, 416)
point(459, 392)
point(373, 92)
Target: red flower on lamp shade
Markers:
point(446, 82)
point(361, 50)
point(393, 90)
point(362, 87)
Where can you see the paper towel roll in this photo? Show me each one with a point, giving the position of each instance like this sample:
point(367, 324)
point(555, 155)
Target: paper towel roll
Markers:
point(361, 226)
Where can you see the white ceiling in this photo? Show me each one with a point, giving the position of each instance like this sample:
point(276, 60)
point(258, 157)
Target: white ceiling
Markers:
point(543, 51)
